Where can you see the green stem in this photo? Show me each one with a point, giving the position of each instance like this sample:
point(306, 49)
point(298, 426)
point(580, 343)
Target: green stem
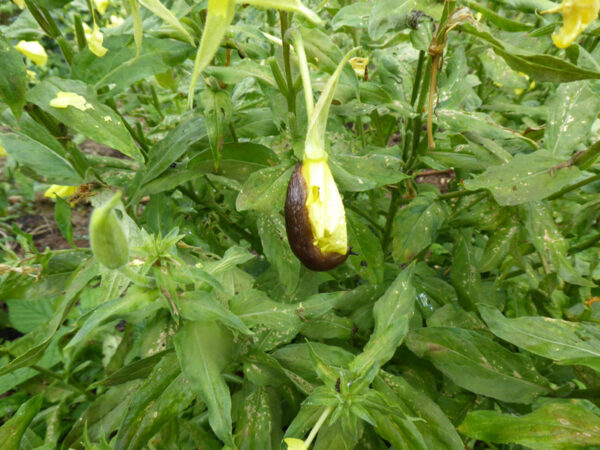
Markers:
point(304, 73)
point(136, 278)
point(71, 385)
point(457, 194)
point(315, 429)
point(418, 122)
point(572, 187)
point(291, 93)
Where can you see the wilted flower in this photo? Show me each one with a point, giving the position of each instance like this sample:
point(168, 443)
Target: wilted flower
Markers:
point(34, 51)
point(359, 65)
point(60, 191)
point(94, 40)
point(577, 15)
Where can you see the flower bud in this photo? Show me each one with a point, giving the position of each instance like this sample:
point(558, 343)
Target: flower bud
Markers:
point(107, 237)
point(315, 220)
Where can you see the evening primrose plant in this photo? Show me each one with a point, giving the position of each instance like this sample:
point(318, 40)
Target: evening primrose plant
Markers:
point(376, 228)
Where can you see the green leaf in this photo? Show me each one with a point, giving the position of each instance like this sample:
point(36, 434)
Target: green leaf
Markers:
point(26, 315)
point(218, 17)
point(203, 349)
point(217, 112)
point(41, 158)
point(392, 313)
point(525, 178)
point(42, 336)
point(255, 421)
point(62, 215)
point(390, 15)
point(119, 68)
point(277, 250)
point(94, 120)
point(286, 5)
point(549, 242)
point(135, 300)
point(465, 275)
point(498, 245)
point(265, 190)
point(416, 226)
point(540, 67)
point(559, 340)
point(12, 431)
point(165, 14)
point(202, 306)
point(570, 118)
point(478, 364)
point(555, 425)
point(363, 173)
point(146, 395)
point(368, 262)
point(436, 428)
point(355, 15)
point(13, 77)
point(236, 73)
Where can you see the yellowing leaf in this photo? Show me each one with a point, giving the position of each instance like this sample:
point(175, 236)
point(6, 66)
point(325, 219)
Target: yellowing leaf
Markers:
point(65, 99)
point(34, 51)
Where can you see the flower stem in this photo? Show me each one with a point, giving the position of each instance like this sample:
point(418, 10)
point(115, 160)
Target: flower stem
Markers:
point(315, 430)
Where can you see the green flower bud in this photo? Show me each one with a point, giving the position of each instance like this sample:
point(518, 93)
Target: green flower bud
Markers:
point(107, 237)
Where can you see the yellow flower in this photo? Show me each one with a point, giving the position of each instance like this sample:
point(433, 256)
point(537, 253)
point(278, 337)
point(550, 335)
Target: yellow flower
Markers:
point(34, 51)
point(359, 65)
point(577, 15)
point(101, 5)
point(94, 40)
point(295, 444)
point(325, 208)
point(60, 191)
point(65, 99)
point(20, 3)
point(3, 153)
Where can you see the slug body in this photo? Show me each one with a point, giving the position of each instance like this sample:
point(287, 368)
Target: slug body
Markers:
point(300, 231)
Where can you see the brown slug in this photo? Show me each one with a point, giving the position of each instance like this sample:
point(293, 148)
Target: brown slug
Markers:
point(299, 230)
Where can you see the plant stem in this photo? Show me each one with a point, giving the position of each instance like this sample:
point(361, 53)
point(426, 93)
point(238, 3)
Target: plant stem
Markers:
point(291, 93)
point(136, 278)
point(71, 385)
point(315, 429)
point(413, 99)
point(572, 187)
point(457, 194)
point(304, 73)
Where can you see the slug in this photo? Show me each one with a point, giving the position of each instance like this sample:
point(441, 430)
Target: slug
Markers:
point(299, 230)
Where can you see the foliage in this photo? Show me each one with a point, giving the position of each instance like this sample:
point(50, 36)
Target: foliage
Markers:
point(467, 314)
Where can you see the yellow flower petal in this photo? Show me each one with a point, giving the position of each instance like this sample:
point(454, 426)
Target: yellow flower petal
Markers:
point(34, 51)
point(95, 40)
point(295, 444)
point(3, 153)
point(65, 99)
point(20, 3)
point(101, 5)
point(577, 15)
point(60, 191)
point(325, 207)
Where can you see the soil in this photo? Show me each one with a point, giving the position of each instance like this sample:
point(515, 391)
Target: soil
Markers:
point(39, 220)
